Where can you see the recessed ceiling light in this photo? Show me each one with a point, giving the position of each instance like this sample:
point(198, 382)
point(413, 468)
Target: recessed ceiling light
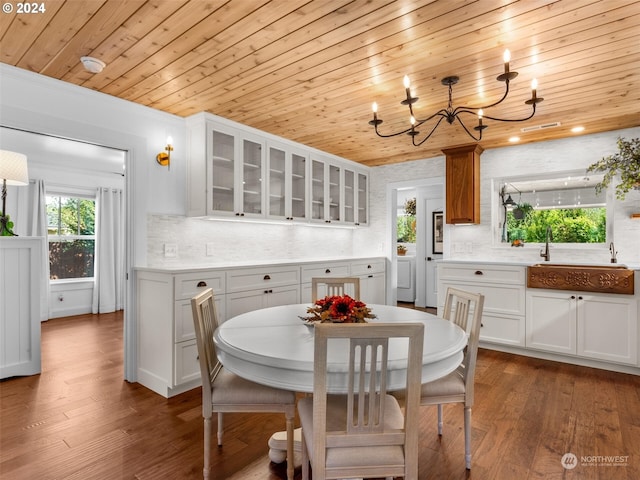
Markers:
point(577, 129)
point(514, 139)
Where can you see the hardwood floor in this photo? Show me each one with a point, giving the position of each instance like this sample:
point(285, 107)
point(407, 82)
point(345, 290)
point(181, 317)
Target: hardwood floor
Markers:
point(80, 420)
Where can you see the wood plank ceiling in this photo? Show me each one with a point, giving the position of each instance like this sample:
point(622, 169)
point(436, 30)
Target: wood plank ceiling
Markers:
point(308, 70)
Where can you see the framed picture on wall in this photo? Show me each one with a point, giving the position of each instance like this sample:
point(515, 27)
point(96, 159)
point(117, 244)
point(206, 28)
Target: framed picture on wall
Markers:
point(438, 232)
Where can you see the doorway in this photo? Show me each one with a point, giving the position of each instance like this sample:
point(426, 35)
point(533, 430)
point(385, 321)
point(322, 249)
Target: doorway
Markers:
point(429, 195)
point(73, 169)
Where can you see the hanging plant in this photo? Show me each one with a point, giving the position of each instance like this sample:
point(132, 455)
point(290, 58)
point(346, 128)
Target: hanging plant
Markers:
point(522, 210)
point(626, 163)
point(410, 206)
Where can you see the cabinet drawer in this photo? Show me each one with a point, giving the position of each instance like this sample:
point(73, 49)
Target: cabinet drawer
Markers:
point(500, 299)
point(184, 329)
point(186, 285)
point(187, 363)
point(485, 273)
point(368, 267)
point(250, 279)
point(326, 270)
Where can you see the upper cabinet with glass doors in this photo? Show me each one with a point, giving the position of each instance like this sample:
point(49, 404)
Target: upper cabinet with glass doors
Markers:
point(326, 191)
point(234, 173)
point(238, 171)
point(286, 182)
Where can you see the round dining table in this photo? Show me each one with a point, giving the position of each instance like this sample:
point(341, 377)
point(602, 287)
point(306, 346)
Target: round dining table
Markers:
point(274, 346)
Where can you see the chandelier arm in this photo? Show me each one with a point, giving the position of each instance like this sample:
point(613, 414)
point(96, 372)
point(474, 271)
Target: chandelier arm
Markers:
point(441, 113)
point(477, 139)
point(461, 108)
point(533, 112)
point(413, 139)
point(391, 134)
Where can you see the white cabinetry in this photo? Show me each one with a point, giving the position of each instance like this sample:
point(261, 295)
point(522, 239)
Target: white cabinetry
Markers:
point(254, 288)
point(320, 270)
point(234, 170)
point(372, 279)
point(327, 191)
point(20, 278)
point(503, 317)
point(286, 182)
point(370, 271)
point(590, 325)
point(167, 352)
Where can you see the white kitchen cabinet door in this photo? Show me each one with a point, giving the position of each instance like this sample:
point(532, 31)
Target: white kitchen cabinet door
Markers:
point(551, 321)
point(608, 327)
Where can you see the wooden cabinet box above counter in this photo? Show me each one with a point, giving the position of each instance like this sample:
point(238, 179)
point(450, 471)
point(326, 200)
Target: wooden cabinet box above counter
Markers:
point(463, 183)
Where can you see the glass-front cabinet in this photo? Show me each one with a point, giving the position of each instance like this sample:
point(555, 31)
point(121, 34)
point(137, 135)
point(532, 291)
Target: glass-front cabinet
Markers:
point(222, 173)
point(234, 176)
point(326, 188)
point(362, 198)
point(252, 173)
point(317, 190)
point(287, 182)
point(237, 171)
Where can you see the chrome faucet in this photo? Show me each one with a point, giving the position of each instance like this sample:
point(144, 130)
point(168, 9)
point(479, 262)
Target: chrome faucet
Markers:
point(612, 249)
point(546, 254)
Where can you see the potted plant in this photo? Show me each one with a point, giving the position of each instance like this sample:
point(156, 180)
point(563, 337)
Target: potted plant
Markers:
point(522, 210)
point(626, 163)
point(402, 250)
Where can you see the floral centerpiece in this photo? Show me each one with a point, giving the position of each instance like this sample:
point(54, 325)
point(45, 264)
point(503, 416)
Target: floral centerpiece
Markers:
point(338, 309)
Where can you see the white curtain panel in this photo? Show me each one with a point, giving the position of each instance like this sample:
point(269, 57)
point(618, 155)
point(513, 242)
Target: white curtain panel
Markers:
point(108, 292)
point(28, 210)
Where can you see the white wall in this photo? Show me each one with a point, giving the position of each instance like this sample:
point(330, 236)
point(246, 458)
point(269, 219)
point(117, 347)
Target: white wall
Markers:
point(545, 157)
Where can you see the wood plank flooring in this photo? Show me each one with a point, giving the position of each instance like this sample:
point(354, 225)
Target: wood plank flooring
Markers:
point(80, 420)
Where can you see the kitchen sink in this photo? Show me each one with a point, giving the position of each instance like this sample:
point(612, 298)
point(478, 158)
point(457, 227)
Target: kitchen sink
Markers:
point(587, 278)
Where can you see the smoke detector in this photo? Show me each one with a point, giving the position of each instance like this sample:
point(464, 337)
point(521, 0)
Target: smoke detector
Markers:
point(92, 65)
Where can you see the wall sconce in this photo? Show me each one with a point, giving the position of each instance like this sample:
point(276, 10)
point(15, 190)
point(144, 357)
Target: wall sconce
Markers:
point(13, 171)
point(164, 158)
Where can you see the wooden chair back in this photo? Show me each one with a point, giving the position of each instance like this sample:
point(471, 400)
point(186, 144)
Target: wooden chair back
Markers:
point(336, 286)
point(368, 347)
point(205, 322)
point(465, 310)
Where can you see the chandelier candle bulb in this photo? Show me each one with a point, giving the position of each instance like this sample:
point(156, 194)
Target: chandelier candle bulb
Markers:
point(506, 57)
point(480, 117)
point(534, 88)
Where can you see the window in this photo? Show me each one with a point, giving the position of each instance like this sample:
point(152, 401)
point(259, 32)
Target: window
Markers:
point(569, 205)
point(71, 230)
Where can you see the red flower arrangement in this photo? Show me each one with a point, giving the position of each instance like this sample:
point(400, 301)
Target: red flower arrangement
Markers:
point(338, 309)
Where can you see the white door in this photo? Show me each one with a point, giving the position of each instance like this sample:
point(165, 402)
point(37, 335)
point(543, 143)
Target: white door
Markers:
point(433, 252)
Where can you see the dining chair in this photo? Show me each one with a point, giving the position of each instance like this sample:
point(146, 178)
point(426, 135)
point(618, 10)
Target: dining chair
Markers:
point(336, 286)
point(465, 310)
point(364, 432)
point(223, 391)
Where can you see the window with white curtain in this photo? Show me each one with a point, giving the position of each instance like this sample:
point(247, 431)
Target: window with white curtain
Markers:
point(71, 231)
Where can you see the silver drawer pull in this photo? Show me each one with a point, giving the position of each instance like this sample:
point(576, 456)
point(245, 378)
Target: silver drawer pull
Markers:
point(202, 284)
